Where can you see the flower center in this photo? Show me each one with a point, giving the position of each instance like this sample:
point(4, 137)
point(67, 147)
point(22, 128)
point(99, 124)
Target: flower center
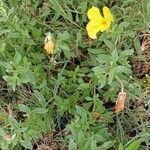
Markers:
point(104, 22)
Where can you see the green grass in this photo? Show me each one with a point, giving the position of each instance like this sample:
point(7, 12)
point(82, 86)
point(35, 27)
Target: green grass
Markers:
point(67, 99)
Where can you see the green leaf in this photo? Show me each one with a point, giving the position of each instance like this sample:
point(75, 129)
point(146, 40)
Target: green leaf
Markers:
point(110, 76)
point(85, 85)
point(103, 58)
point(24, 108)
point(26, 144)
point(127, 3)
point(146, 8)
point(114, 56)
point(72, 145)
point(81, 111)
point(98, 71)
point(7, 66)
point(17, 57)
point(65, 36)
point(4, 32)
point(67, 51)
point(121, 147)
point(106, 145)
point(99, 106)
point(21, 130)
point(120, 70)
point(87, 145)
point(109, 44)
point(14, 123)
point(2, 47)
point(40, 98)
point(39, 111)
point(127, 53)
point(27, 77)
point(2, 133)
point(137, 45)
point(12, 81)
point(123, 25)
point(80, 135)
point(100, 137)
point(102, 81)
point(134, 146)
point(93, 145)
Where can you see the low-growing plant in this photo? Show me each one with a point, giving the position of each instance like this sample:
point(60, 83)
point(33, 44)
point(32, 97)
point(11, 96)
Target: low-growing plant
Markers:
point(65, 64)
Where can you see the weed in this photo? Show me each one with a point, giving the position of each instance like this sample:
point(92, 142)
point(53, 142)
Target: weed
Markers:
point(61, 93)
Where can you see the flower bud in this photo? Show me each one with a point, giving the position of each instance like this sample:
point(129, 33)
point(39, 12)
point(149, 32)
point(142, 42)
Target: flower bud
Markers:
point(49, 44)
point(120, 102)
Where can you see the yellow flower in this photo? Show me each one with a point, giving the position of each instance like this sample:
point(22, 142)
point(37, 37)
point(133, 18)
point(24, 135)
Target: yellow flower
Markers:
point(97, 22)
point(48, 44)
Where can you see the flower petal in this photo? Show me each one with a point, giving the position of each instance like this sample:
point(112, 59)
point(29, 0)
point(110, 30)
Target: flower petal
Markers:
point(107, 14)
point(94, 14)
point(93, 27)
point(49, 47)
point(105, 24)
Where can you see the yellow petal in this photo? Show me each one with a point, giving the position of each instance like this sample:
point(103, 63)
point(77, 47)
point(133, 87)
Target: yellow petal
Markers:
point(49, 47)
point(94, 14)
point(93, 27)
point(107, 14)
point(105, 24)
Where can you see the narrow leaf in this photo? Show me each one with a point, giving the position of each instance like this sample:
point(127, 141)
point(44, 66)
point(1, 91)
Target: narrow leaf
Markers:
point(134, 146)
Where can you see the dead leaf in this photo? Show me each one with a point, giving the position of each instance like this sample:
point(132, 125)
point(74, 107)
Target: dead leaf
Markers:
point(120, 102)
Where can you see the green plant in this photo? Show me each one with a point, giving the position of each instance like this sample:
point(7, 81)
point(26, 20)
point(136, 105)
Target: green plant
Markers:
point(17, 71)
point(69, 96)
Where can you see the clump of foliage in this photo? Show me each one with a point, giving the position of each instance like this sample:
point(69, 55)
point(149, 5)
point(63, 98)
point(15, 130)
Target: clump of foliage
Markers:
point(68, 97)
